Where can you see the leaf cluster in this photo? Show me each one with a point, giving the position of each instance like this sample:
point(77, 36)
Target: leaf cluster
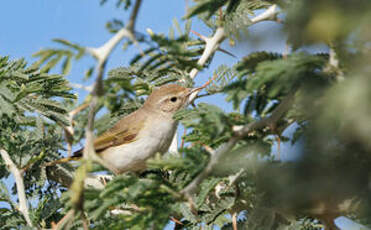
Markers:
point(30, 131)
point(171, 55)
point(49, 58)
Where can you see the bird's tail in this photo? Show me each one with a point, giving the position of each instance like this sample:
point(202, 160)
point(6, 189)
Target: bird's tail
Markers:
point(62, 160)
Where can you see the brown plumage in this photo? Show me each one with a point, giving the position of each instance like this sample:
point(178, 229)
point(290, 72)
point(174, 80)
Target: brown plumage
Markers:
point(142, 133)
point(121, 133)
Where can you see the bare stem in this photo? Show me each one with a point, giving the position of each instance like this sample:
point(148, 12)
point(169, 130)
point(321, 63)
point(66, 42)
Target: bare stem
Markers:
point(23, 206)
point(234, 221)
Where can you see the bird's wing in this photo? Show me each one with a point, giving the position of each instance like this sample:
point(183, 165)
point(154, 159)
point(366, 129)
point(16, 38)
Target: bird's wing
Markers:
point(125, 131)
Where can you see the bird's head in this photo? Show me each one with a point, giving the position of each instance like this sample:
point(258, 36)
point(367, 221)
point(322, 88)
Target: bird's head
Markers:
point(168, 98)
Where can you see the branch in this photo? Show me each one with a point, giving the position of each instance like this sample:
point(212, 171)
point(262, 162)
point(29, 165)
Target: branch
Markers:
point(269, 14)
point(102, 54)
point(133, 16)
point(240, 132)
point(63, 221)
point(69, 130)
point(213, 43)
point(234, 221)
point(23, 206)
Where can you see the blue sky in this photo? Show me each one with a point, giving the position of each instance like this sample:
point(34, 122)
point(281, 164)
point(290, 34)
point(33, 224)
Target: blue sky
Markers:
point(30, 25)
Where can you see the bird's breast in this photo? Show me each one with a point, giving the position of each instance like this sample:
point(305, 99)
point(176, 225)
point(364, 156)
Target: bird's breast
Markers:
point(155, 136)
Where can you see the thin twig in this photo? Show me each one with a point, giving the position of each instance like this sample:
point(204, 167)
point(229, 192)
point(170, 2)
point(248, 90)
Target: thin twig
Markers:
point(183, 138)
point(85, 221)
point(220, 14)
point(69, 130)
point(63, 220)
point(23, 205)
point(202, 37)
point(133, 16)
point(210, 150)
point(209, 81)
point(176, 221)
point(234, 221)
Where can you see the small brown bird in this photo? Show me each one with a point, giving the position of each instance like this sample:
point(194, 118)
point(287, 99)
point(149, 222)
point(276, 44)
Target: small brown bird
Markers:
point(143, 133)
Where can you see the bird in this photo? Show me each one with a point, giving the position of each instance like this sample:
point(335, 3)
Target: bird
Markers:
point(141, 134)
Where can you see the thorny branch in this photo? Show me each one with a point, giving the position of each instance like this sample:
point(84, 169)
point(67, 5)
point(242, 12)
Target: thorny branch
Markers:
point(23, 206)
point(101, 54)
point(213, 43)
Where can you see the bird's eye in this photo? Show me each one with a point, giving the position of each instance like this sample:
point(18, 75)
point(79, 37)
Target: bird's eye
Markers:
point(173, 99)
